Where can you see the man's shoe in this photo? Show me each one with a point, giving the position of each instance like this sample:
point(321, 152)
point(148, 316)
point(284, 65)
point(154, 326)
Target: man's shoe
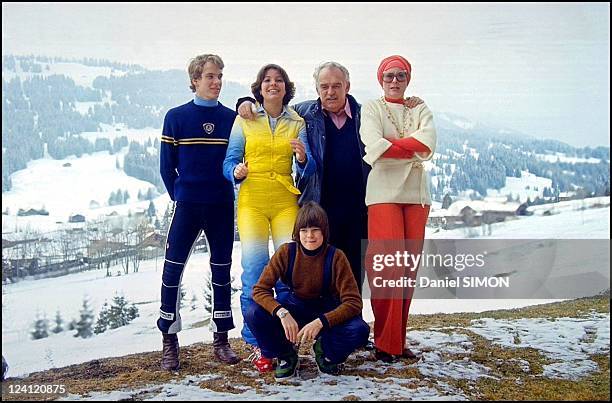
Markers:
point(324, 365)
point(408, 353)
point(222, 349)
point(287, 365)
point(170, 352)
point(385, 357)
point(369, 346)
point(260, 362)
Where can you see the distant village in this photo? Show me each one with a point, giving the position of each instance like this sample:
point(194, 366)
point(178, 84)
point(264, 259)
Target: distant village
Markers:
point(115, 239)
point(490, 210)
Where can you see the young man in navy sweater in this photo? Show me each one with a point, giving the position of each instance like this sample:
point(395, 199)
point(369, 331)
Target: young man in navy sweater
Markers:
point(194, 141)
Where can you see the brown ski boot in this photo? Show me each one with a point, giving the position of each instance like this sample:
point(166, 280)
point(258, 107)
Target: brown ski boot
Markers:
point(222, 349)
point(170, 352)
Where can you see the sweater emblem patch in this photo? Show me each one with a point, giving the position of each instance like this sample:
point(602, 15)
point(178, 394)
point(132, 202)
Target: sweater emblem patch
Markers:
point(209, 127)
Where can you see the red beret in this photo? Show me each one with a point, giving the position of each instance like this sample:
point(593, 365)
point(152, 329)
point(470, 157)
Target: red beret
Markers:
point(394, 61)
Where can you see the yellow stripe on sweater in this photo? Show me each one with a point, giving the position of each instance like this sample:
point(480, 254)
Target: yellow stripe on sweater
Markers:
point(198, 139)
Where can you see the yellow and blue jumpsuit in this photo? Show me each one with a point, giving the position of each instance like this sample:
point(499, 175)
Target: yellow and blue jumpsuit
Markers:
point(267, 199)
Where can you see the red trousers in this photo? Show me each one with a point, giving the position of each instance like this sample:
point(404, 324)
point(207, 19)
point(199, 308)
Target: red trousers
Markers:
point(395, 222)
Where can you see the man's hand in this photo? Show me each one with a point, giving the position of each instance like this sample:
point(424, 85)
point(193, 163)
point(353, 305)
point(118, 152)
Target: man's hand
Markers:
point(299, 149)
point(291, 328)
point(246, 110)
point(310, 331)
point(411, 102)
point(241, 171)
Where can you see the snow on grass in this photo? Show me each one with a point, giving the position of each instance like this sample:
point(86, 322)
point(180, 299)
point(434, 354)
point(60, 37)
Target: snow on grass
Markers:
point(323, 387)
point(567, 341)
point(439, 342)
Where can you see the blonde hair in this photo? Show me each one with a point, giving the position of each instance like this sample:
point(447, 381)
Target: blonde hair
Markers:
point(196, 66)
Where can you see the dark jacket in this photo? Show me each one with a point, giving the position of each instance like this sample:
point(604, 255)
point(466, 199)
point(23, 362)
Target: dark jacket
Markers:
point(312, 113)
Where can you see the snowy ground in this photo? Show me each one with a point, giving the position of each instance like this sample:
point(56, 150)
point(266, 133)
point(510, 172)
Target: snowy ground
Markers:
point(24, 300)
point(446, 356)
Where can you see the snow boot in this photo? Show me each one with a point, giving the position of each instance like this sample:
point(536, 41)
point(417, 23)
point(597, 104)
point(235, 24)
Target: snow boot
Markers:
point(170, 352)
point(222, 349)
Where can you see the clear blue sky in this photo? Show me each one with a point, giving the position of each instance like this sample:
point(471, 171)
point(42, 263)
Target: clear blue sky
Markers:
point(539, 68)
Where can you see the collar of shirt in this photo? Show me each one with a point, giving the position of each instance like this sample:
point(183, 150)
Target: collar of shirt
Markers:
point(284, 113)
point(205, 102)
point(339, 118)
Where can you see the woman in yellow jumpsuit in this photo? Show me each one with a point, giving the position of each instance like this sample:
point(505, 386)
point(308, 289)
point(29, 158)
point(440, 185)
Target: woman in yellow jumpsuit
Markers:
point(260, 158)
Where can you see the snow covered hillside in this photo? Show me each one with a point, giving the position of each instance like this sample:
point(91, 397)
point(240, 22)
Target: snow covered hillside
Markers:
point(71, 186)
point(81, 74)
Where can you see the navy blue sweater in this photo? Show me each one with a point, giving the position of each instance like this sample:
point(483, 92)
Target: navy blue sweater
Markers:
point(193, 146)
point(342, 192)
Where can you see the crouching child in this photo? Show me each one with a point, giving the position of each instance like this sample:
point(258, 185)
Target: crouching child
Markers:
point(324, 303)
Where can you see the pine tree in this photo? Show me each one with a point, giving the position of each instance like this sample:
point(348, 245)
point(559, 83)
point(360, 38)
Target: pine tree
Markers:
point(102, 322)
point(194, 301)
point(72, 325)
point(183, 295)
point(41, 328)
point(151, 210)
point(447, 201)
point(132, 312)
point(59, 323)
point(85, 323)
point(234, 288)
point(167, 217)
point(208, 293)
point(118, 312)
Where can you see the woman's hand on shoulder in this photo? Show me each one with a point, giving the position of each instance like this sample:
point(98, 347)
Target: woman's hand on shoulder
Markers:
point(412, 102)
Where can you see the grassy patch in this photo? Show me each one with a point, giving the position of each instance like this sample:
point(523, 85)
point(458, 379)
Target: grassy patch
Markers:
point(507, 365)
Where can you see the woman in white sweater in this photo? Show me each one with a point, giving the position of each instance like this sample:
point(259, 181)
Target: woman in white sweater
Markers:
point(397, 140)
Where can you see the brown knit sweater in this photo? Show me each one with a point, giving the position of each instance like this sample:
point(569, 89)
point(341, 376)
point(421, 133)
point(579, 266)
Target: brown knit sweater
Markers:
point(308, 280)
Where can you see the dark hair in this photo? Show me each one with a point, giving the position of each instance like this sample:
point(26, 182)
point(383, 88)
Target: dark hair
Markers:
point(311, 215)
point(289, 86)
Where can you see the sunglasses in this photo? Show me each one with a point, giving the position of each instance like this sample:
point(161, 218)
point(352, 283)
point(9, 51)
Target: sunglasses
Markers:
point(401, 76)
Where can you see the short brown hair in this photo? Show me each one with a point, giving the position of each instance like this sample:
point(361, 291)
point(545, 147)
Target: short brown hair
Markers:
point(196, 66)
point(311, 215)
point(289, 86)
